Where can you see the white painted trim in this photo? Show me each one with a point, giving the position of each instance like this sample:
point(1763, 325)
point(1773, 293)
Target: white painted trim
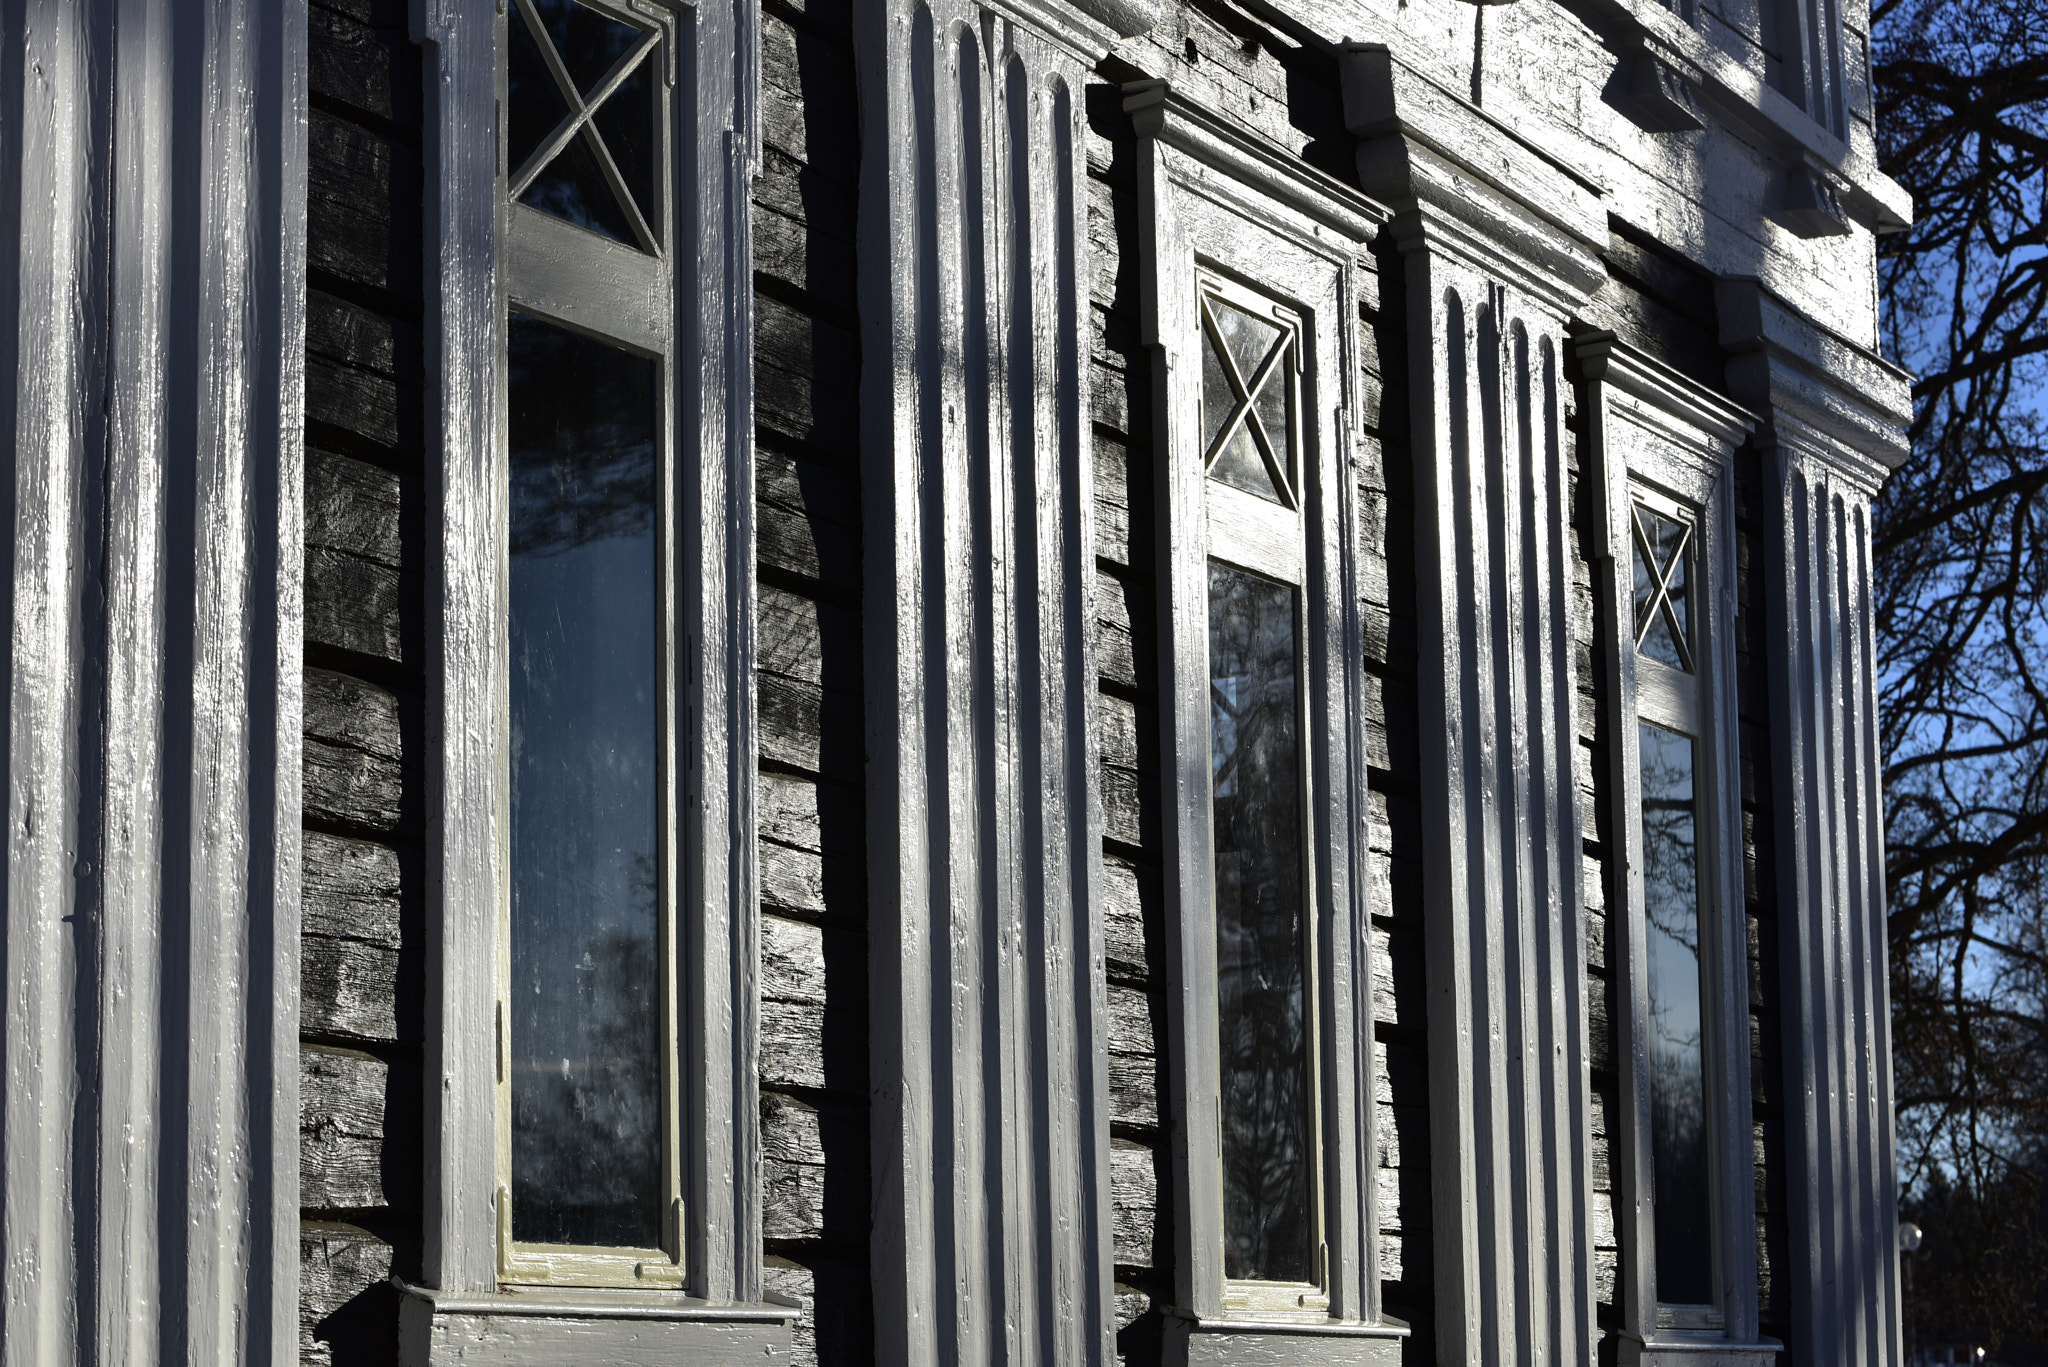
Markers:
point(1214, 199)
point(712, 328)
point(1840, 1140)
point(988, 1062)
point(154, 377)
point(1649, 426)
point(1502, 856)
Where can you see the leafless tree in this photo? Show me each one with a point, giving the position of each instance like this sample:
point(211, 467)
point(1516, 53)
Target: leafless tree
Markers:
point(1961, 532)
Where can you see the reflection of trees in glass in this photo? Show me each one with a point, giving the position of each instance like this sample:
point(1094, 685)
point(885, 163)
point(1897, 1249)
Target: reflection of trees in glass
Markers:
point(582, 453)
point(586, 1129)
point(583, 597)
point(1268, 1147)
point(1677, 1056)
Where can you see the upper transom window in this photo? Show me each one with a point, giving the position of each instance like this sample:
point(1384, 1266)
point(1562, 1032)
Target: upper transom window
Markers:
point(584, 137)
point(1663, 548)
point(1248, 369)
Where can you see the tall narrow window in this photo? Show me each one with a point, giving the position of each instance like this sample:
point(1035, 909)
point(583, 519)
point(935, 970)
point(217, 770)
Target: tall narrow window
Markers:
point(1668, 817)
point(589, 1163)
point(1259, 772)
point(1254, 287)
point(1679, 1150)
point(1662, 547)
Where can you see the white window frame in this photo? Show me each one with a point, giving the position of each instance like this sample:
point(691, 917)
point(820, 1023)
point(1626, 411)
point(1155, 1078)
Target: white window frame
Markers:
point(479, 255)
point(1667, 443)
point(1227, 213)
point(622, 295)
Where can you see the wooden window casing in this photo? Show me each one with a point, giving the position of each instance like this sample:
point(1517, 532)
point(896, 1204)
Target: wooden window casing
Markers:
point(621, 294)
point(1285, 245)
point(1664, 449)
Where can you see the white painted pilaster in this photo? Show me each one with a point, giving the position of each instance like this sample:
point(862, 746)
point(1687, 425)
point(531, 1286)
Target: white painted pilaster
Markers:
point(989, 1075)
point(1500, 246)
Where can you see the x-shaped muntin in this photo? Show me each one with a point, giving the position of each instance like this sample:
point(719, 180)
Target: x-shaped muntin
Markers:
point(579, 119)
point(1660, 597)
point(1247, 395)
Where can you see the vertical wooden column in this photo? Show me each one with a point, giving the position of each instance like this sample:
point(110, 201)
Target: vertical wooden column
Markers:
point(1508, 1022)
point(1845, 1271)
point(154, 207)
point(1835, 418)
point(990, 1081)
point(1498, 259)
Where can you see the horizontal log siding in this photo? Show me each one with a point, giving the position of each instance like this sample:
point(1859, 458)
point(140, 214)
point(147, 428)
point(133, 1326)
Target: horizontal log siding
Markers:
point(1604, 883)
point(1386, 478)
point(1141, 1167)
point(1754, 521)
point(814, 1019)
point(362, 938)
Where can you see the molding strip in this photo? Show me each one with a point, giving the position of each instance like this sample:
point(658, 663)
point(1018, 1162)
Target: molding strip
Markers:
point(149, 1170)
point(989, 1073)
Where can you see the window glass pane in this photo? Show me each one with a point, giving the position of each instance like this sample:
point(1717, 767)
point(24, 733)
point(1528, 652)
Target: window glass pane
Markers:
point(1261, 951)
point(573, 187)
point(589, 43)
point(534, 102)
point(1663, 555)
point(583, 594)
point(1243, 341)
point(626, 120)
point(1677, 1055)
point(573, 183)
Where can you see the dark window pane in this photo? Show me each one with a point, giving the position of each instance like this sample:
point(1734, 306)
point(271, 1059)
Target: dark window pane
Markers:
point(572, 187)
point(534, 103)
point(1662, 554)
point(626, 120)
point(588, 42)
point(1671, 912)
point(1261, 952)
point(583, 597)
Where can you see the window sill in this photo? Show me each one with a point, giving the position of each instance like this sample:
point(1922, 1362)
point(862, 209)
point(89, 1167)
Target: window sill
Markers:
point(1676, 1348)
point(1248, 1342)
point(543, 1327)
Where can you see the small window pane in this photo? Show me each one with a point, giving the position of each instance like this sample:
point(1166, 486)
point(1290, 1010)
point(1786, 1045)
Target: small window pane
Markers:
point(1662, 550)
point(585, 1071)
point(573, 187)
point(589, 43)
point(1262, 992)
point(626, 120)
point(1677, 1053)
point(573, 183)
point(535, 106)
point(1250, 339)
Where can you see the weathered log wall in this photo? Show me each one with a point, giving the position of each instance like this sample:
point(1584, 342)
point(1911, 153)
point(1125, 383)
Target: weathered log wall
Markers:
point(814, 1018)
point(362, 951)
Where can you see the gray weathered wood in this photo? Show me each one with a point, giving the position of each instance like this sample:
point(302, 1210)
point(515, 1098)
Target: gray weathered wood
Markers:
point(354, 750)
point(338, 1263)
point(356, 176)
point(1134, 1192)
point(342, 1101)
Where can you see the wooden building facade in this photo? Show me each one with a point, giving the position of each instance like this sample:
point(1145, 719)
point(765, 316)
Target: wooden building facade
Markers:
point(944, 681)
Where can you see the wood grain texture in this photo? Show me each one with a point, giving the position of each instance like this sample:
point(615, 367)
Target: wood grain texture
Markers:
point(362, 195)
point(991, 1081)
point(347, 1309)
point(345, 1096)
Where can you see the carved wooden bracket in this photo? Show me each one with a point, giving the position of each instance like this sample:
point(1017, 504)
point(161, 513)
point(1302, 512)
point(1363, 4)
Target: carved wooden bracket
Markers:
point(1663, 91)
point(1813, 207)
